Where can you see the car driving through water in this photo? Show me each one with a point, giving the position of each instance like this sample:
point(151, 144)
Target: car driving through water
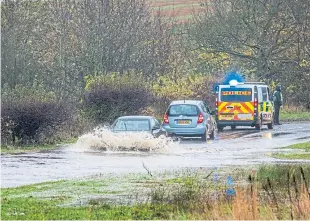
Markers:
point(189, 118)
point(146, 124)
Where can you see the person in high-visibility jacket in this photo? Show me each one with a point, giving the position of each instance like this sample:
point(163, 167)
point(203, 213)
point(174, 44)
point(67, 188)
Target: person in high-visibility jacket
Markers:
point(277, 102)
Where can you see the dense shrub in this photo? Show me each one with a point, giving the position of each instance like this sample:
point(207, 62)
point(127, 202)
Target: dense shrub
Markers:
point(196, 87)
point(108, 97)
point(31, 116)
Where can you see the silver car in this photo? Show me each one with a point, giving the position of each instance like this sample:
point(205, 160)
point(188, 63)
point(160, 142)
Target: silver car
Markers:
point(189, 118)
point(147, 124)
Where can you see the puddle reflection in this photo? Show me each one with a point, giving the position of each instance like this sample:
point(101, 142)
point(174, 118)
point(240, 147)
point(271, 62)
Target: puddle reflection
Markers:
point(267, 135)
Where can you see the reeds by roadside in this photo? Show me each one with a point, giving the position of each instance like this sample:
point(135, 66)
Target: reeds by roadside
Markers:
point(266, 198)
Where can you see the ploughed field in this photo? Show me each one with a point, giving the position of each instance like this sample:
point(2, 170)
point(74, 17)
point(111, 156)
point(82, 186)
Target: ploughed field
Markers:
point(181, 10)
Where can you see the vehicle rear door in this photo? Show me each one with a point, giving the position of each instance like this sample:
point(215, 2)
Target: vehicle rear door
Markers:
point(183, 115)
point(265, 105)
point(236, 104)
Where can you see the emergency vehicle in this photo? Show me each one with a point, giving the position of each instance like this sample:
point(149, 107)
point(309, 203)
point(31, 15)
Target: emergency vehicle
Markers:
point(243, 104)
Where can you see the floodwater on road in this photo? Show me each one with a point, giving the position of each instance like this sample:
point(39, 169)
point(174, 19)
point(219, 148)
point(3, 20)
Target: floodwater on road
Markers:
point(244, 146)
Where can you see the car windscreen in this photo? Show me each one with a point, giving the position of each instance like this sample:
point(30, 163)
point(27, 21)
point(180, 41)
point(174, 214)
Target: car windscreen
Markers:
point(183, 109)
point(236, 94)
point(132, 125)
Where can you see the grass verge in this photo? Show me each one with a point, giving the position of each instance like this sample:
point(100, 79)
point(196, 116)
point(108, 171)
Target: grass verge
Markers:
point(271, 192)
point(34, 148)
point(302, 154)
point(302, 146)
point(294, 116)
point(292, 156)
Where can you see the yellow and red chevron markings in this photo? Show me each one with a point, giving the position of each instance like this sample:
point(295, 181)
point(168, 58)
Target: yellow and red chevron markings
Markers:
point(236, 108)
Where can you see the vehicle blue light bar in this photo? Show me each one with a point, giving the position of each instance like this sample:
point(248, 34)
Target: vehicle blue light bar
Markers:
point(233, 76)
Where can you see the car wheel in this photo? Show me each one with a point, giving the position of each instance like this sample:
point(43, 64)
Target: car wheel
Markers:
point(259, 125)
point(204, 137)
point(220, 129)
point(270, 125)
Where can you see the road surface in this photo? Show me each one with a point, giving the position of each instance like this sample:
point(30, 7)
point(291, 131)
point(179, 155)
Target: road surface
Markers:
point(242, 147)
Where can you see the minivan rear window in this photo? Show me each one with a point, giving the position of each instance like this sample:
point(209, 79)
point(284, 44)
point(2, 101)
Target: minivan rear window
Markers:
point(183, 109)
point(236, 94)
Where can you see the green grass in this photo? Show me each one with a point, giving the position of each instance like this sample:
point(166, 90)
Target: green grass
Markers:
point(174, 195)
point(60, 200)
point(28, 189)
point(25, 149)
point(33, 209)
point(70, 140)
point(304, 155)
point(292, 156)
point(34, 148)
point(294, 116)
point(303, 146)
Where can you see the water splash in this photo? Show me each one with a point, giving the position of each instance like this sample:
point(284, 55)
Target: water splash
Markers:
point(105, 140)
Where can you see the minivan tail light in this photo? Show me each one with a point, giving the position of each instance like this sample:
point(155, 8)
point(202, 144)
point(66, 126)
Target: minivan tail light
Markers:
point(255, 102)
point(166, 120)
point(200, 119)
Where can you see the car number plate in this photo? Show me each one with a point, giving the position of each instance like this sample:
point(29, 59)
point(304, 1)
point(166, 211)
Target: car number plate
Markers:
point(267, 115)
point(228, 117)
point(184, 122)
point(245, 116)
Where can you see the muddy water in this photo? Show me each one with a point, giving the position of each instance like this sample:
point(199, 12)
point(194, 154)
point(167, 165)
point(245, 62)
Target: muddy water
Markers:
point(103, 139)
point(103, 152)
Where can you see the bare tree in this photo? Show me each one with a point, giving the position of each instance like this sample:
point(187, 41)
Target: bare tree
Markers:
point(265, 38)
point(57, 43)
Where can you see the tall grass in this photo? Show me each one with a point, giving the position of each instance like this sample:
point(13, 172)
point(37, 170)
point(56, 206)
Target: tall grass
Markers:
point(275, 192)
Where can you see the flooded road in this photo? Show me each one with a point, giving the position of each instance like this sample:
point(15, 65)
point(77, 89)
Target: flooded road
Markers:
point(241, 147)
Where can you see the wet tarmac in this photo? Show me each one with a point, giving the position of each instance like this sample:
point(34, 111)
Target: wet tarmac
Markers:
point(241, 147)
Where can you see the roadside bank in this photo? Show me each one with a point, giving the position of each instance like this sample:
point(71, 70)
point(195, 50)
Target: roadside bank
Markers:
point(231, 193)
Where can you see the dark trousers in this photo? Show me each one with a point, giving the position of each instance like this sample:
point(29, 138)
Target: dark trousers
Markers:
point(276, 113)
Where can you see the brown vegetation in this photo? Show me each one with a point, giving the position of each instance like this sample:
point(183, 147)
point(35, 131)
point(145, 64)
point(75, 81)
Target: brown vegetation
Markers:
point(259, 199)
point(53, 47)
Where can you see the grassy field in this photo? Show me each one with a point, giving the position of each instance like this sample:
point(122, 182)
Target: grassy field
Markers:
point(267, 192)
point(302, 152)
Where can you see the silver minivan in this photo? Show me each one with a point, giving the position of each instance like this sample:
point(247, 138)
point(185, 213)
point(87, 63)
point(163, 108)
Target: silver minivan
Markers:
point(189, 118)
